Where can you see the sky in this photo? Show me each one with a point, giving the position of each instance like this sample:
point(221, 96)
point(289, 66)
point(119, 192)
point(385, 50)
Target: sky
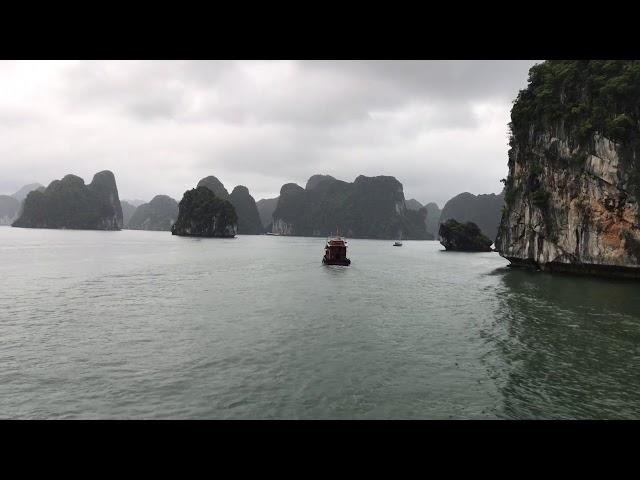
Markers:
point(439, 127)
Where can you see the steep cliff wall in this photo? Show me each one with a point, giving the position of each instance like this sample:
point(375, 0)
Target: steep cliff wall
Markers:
point(248, 217)
point(571, 196)
point(266, 207)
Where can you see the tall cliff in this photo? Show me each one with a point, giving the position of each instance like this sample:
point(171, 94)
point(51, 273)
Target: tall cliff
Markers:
point(370, 207)
point(127, 212)
point(483, 210)
point(266, 207)
point(433, 218)
point(249, 222)
point(432, 213)
point(21, 194)
point(69, 203)
point(571, 195)
point(159, 214)
point(248, 217)
point(215, 185)
point(9, 208)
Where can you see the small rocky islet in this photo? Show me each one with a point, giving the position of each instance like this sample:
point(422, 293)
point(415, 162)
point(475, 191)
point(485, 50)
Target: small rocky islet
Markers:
point(201, 213)
point(463, 237)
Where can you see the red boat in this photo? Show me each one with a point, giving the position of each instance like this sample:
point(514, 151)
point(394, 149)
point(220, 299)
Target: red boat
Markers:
point(335, 252)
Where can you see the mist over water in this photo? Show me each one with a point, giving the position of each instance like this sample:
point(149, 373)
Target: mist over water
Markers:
point(137, 324)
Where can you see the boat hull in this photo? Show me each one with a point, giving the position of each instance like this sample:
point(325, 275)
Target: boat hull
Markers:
point(344, 262)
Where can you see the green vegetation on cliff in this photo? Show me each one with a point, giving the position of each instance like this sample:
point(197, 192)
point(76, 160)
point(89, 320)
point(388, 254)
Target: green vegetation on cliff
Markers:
point(587, 96)
point(202, 214)
point(575, 100)
point(571, 195)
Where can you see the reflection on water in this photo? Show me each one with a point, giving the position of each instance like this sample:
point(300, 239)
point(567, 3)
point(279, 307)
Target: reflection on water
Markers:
point(566, 347)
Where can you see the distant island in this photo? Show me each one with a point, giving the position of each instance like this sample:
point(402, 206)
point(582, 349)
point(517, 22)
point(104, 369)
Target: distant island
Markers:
point(159, 214)
point(243, 203)
point(70, 204)
point(370, 207)
point(483, 210)
point(463, 237)
point(433, 215)
point(11, 205)
point(9, 208)
point(203, 214)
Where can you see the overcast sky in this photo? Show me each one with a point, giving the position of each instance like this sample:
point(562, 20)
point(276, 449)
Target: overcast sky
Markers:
point(439, 127)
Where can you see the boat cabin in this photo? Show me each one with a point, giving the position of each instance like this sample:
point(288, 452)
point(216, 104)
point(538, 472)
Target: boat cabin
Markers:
point(335, 252)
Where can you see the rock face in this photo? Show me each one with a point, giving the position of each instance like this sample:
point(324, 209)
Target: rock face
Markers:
point(483, 210)
point(127, 212)
point(202, 214)
point(433, 218)
point(135, 203)
point(266, 207)
point(574, 170)
point(413, 204)
point(215, 185)
point(432, 221)
point(465, 237)
point(159, 214)
point(21, 194)
point(245, 206)
point(69, 203)
point(314, 180)
point(248, 217)
point(9, 208)
point(370, 207)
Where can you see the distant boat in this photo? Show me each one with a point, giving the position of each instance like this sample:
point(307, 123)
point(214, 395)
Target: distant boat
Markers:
point(335, 252)
point(397, 243)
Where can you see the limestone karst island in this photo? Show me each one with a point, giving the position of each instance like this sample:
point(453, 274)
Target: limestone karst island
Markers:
point(320, 239)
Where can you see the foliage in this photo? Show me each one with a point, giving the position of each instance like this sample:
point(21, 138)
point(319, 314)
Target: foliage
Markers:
point(587, 96)
point(201, 213)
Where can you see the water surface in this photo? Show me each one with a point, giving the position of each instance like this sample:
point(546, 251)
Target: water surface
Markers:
point(136, 324)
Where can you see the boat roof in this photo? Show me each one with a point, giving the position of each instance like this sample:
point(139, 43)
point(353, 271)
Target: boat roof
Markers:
point(336, 241)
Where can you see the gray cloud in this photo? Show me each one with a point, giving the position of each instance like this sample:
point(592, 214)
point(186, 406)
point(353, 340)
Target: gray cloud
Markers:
point(440, 127)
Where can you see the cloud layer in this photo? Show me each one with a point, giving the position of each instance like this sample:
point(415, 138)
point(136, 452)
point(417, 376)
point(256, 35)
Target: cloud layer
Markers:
point(440, 127)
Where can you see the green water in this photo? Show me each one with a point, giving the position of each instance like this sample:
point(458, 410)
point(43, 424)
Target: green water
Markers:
point(137, 324)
